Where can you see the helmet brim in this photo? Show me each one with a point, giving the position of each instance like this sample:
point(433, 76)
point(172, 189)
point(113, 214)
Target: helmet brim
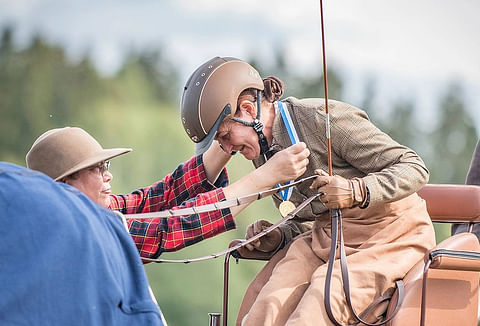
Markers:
point(202, 146)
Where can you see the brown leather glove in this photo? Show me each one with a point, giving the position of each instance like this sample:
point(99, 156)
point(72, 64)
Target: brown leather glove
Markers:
point(338, 192)
point(267, 243)
point(244, 253)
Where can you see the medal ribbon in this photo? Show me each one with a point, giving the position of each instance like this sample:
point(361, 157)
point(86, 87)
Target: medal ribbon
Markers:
point(292, 133)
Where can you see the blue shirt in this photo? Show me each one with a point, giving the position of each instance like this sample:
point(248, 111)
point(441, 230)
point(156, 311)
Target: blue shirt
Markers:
point(64, 260)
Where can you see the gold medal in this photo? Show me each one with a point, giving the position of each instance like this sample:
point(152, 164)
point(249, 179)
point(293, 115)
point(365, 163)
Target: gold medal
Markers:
point(286, 207)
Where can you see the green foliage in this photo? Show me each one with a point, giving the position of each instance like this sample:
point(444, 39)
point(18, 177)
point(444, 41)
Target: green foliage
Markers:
point(452, 140)
point(159, 76)
point(41, 89)
point(298, 85)
point(446, 150)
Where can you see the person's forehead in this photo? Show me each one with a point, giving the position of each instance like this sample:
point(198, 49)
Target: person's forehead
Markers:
point(224, 126)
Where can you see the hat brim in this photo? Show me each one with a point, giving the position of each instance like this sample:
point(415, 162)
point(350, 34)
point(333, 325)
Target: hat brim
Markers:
point(98, 157)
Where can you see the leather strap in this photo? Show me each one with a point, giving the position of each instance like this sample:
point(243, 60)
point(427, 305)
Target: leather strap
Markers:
point(257, 125)
point(336, 229)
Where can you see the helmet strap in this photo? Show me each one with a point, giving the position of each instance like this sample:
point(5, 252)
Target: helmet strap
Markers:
point(258, 127)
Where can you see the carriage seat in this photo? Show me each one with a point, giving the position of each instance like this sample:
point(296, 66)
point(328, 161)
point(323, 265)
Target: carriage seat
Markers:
point(450, 291)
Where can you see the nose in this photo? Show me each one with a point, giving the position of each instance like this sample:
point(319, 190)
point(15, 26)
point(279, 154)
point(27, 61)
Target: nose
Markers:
point(107, 176)
point(226, 147)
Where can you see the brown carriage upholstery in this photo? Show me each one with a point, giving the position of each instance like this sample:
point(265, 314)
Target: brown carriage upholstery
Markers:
point(451, 296)
point(452, 203)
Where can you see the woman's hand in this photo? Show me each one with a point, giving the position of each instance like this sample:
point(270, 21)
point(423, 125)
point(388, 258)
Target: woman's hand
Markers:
point(288, 164)
point(285, 165)
point(267, 243)
point(338, 192)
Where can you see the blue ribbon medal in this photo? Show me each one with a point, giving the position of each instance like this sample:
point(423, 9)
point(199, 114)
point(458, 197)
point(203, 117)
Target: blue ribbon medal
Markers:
point(286, 206)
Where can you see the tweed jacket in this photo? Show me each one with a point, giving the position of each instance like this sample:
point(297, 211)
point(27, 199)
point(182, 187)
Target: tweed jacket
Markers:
point(359, 149)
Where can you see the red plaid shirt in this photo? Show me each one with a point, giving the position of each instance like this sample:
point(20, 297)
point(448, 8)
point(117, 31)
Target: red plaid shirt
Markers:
point(187, 186)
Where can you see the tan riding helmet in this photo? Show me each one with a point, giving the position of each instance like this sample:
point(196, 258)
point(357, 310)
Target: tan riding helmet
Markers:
point(210, 95)
point(61, 152)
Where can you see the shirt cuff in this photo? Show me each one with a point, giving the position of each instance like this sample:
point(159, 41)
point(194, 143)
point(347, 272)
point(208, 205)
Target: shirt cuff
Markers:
point(372, 185)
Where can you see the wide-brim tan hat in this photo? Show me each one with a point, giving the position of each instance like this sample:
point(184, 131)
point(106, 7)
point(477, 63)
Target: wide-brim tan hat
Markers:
point(63, 151)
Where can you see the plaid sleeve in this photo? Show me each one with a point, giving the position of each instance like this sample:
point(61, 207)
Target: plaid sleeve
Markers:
point(187, 186)
point(188, 180)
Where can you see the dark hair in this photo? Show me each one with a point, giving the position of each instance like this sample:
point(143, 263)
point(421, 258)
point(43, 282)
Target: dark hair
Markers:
point(273, 90)
point(72, 176)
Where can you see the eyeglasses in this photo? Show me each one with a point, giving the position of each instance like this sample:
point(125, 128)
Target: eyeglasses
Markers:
point(102, 167)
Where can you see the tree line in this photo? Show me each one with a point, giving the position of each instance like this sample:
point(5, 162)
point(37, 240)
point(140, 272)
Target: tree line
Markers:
point(41, 88)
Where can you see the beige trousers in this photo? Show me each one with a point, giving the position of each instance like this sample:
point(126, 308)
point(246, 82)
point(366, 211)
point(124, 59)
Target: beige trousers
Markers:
point(382, 244)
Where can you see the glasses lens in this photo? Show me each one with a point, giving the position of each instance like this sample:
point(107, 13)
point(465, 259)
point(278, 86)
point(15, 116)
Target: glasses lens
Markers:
point(104, 166)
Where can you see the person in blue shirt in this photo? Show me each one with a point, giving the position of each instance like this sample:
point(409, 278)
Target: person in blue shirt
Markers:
point(66, 260)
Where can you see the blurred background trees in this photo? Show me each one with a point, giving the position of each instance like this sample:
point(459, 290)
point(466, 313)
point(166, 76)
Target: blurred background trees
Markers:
point(40, 89)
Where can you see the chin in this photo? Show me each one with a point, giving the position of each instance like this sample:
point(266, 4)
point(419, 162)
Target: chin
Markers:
point(249, 156)
point(105, 202)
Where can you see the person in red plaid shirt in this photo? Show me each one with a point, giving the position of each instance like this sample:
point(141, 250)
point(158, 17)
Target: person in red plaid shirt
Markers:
point(73, 156)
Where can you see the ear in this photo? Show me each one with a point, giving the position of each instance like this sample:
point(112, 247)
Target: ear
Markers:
point(248, 108)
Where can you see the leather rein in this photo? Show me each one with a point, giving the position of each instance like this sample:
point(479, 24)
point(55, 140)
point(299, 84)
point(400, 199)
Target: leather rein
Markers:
point(337, 233)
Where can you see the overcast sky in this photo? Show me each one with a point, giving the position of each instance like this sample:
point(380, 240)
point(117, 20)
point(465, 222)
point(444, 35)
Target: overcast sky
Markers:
point(412, 48)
